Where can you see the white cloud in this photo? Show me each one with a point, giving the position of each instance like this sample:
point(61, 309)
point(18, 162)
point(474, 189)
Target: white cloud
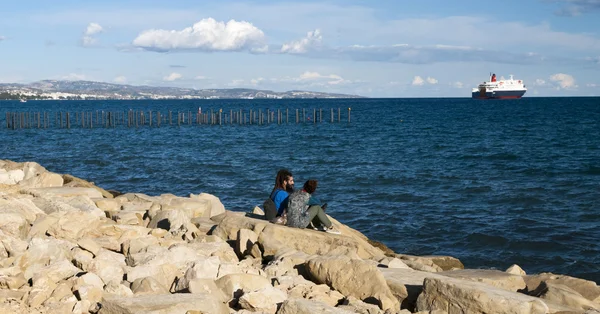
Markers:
point(89, 38)
point(418, 81)
point(93, 29)
point(172, 77)
point(120, 79)
point(236, 82)
point(312, 40)
point(206, 35)
point(317, 79)
point(565, 81)
point(256, 81)
point(539, 82)
point(458, 84)
point(73, 77)
point(201, 77)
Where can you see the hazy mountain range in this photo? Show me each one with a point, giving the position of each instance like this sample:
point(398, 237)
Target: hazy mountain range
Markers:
point(53, 89)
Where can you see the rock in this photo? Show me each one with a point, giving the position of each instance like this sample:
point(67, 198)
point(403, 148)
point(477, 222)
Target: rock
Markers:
point(323, 293)
point(392, 262)
point(245, 240)
point(216, 207)
point(65, 192)
point(264, 300)
point(420, 263)
point(43, 180)
point(516, 270)
point(89, 245)
point(565, 296)
point(14, 225)
point(41, 290)
point(42, 252)
point(109, 266)
point(137, 245)
point(353, 278)
point(494, 278)
point(129, 217)
point(588, 289)
point(258, 211)
point(464, 296)
point(72, 225)
point(171, 220)
point(148, 285)
point(11, 177)
point(72, 181)
point(89, 279)
point(56, 272)
point(204, 225)
point(92, 294)
point(164, 304)
point(82, 258)
point(113, 290)
point(234, 284)
point(406, 284)
point(108, 204)
point(357, 306)
point(85, 204)
point(207, 286)
point(12, 278)
point(163, 273)
point(63, 291)
point(207, 268)
point(302, 306)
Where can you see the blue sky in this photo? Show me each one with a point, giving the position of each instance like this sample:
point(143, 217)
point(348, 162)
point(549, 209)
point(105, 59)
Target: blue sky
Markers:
point(386, 48)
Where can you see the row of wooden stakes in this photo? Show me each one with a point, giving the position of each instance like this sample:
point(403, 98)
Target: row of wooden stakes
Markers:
point(137, 118)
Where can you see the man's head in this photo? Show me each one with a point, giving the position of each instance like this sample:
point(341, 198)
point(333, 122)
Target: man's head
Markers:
point(284, 180)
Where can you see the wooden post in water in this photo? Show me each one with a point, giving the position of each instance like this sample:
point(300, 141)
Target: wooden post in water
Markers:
point(339, 115)
point(314, 115)
point(331, 115)
point(349, 109)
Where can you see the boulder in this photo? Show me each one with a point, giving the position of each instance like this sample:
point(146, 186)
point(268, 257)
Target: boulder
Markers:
point(108, 204)
point(565, 296)
point(148, 285)
point(207, 268)
point(11, 177)
point(303, 306)
point(109, 266)
point(245, 240)
point(355, 278)
point(234, 285)
point(454, 295)
point(207, 286)
point(113, 290)
point(491, 277)
point(71, 181)
point(516, 270)
point(406, 284)
point(265, 300)
point(163, 304)
point(588, 289)
point(65, 191)
point(216, 207)
point(357, 306)
point(43, 180)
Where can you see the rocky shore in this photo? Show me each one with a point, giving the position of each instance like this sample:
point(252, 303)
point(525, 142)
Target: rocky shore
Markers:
point(68, 246)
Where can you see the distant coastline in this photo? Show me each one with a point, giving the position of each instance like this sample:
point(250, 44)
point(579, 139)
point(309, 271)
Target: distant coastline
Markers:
point(89, 90)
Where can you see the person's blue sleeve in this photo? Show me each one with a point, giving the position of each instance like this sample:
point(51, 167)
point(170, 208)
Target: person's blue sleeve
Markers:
point(284, 205)
point(279, 198)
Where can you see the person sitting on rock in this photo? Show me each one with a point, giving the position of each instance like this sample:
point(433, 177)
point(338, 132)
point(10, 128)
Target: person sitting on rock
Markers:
point(284, 185)
point(303, 209)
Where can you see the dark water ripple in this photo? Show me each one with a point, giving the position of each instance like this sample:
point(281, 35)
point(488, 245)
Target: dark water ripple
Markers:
point(492, 183)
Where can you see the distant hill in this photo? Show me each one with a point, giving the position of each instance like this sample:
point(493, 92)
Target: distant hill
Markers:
point(53, 89)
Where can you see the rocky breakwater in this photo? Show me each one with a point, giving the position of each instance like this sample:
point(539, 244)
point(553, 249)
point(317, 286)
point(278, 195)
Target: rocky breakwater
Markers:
point(68, 246)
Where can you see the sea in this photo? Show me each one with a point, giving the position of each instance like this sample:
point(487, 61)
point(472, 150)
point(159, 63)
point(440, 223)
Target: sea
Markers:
point(490, 182)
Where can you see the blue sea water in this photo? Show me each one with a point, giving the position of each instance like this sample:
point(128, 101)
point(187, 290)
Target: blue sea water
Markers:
point(492, 183)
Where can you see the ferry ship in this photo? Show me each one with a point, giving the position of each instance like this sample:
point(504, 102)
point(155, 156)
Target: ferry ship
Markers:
point(500, 89)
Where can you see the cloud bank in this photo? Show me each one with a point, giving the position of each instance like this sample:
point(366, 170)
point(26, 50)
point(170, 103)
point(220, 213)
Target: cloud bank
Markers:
point(206, 35)
point(89, 38)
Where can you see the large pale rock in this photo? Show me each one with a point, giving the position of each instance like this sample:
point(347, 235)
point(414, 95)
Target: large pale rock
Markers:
point(491, 277)
point(43, 180)
point(113, 290)
point(207, 286)
point(11, 176)
point(302, 306)
point(22, 205)
point(65, 191)
point(56, 272)
point(264, 300)
point(72, 181)
point(11, 278)
point(108, 204)
point(72, 225)
point(586, 288)
point(421, 263)
point(232, 285)
point(245, 240)
point(357, 306)
point(164, 304)
point(139, 244)
point(516, 270)
point(454, 295)
point(204, 225)
point(128, 217)
point(216, 207)
point(89, 245)
point(85, 204)
point(163, 273)
point(148, 285)
point(109, 266)
point(406, 284)
point(89, 279)
point(192, 207)
point(43, 252)
point(206, 268)
point(14, 225)
point(41, 291)
point(172, 220)
point(355, 278)
point(563, 295)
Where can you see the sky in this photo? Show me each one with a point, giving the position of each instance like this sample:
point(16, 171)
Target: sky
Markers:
point(383, 48)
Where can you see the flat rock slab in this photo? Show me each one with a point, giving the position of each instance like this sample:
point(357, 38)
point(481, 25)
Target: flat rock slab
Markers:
point(491, 277)
point(164, 304)
point(454, 295)
point(406, 284)
point(69, 191)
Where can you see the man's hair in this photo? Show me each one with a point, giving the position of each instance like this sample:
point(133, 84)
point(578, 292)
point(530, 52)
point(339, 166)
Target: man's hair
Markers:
point(310, 186)
point(282, 175)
